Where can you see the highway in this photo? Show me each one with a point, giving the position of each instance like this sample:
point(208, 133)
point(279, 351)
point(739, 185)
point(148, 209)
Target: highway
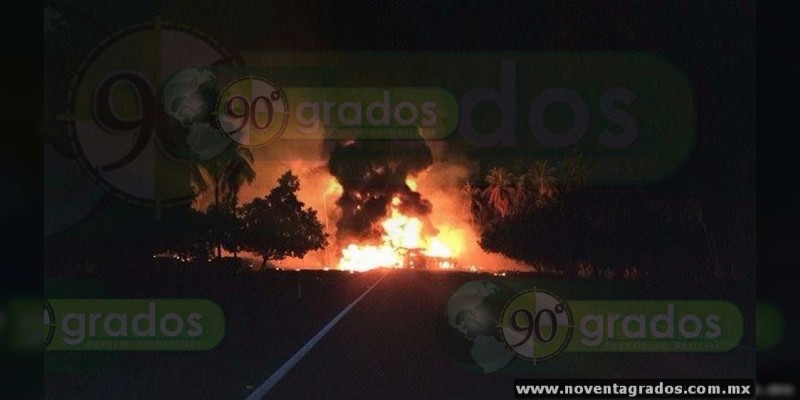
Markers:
point(387, 347)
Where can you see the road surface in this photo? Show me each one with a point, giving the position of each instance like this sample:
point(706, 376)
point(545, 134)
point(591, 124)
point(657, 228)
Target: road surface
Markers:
point(385, 345)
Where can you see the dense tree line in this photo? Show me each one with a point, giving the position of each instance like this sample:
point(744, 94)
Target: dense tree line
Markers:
point(122, 237)
point(550, 218)
point(273, 227)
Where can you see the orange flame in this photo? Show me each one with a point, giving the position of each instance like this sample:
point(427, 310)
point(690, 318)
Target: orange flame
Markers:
point(402, 235)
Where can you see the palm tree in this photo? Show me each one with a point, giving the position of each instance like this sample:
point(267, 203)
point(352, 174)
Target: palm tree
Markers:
point(233, 171)
point(543, 177)
point(226, 174)
point(472, 203)
point(520, 195)
point(499, 192)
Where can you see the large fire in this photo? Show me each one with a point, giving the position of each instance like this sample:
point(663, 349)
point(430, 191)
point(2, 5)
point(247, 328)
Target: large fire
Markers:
point(404, 245)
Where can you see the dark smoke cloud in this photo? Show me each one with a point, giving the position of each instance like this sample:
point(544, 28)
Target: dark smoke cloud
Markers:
point(371, 173)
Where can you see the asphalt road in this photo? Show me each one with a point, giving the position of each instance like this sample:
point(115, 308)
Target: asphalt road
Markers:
point(386, 347)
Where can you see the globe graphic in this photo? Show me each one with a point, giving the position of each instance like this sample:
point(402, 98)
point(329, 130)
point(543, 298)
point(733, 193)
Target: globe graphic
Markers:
point(471, 335)
point(187, 131)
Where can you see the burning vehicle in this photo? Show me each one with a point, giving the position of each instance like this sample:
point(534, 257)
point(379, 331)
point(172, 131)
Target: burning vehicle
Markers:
point(418, 259)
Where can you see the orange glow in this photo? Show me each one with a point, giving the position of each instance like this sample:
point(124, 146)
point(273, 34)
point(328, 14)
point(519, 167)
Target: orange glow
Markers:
point(401, 236)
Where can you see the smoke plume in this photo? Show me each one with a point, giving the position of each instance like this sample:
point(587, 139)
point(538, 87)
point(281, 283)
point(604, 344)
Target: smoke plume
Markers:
point(372, 174)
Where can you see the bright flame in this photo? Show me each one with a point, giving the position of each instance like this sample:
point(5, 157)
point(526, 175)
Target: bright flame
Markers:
point(446, 265)
point(402, 237)
point(411, 183)
point(364, 258)
point(438, 249)
point(401, 231)
point(333, 187)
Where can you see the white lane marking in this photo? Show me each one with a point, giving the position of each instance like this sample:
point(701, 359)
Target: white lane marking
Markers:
point(276, 376)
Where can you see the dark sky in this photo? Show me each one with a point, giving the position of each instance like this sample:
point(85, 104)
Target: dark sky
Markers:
point(712, 42)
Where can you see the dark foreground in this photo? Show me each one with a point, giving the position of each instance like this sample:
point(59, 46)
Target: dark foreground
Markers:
point(385, 347)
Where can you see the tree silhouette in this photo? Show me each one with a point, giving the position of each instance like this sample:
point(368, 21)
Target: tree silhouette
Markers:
point(499, 192)
point(543, 177)
point(278, 226)
point(224, 174)
point(224, 225)
point(520, 195)
point(472, 204)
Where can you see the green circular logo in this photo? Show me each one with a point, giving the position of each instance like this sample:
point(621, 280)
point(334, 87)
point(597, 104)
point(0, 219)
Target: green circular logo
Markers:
point(49, 323)
point(140, 111)
point(252, 111)
point(536, 325)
